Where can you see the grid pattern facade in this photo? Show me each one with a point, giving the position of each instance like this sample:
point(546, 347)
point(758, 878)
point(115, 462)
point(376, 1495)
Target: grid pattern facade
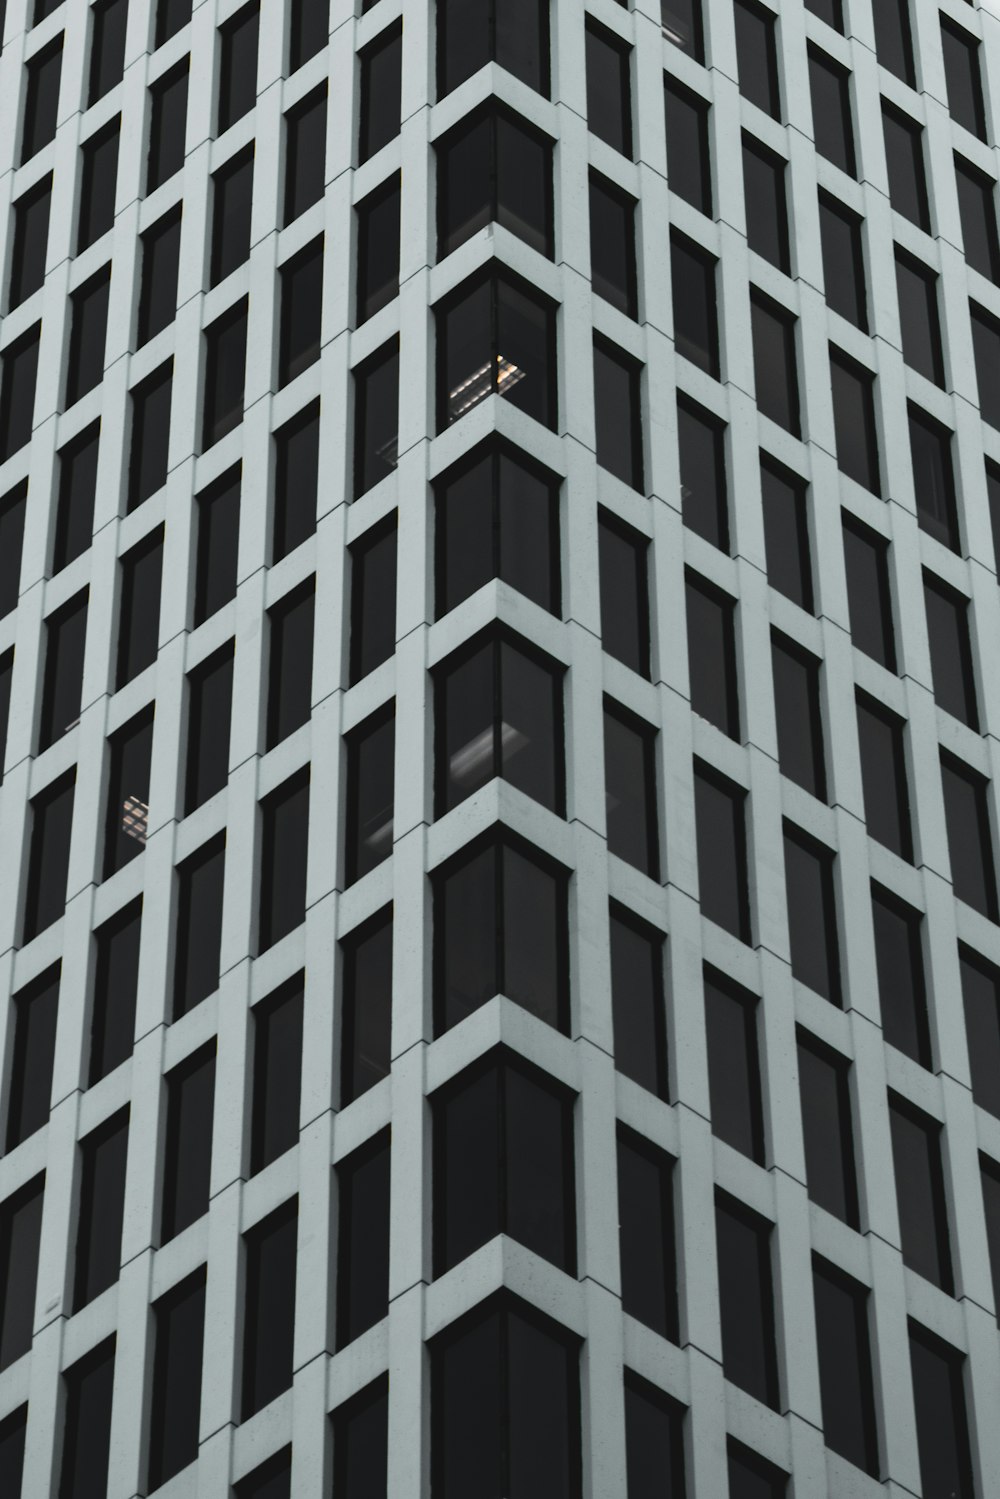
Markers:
point(911, 1278)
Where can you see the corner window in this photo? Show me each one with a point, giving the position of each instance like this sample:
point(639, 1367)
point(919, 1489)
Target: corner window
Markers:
point(496, 336)
point(512, 33)
point(36, 1009)
point(494, 168)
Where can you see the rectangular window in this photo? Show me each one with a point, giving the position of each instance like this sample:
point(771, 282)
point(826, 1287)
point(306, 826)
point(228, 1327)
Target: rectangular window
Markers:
point(990, 1179)
point(376, 417)
point(702, 446)
point(711, 634)
point(310, 25)
point(127, 809)
point(774, 361)
point(48, 859)
point(493, 168)
point(269, 1308)
point(366, 1017)
point(941, 1421)
point(951, 651)
point(363, 1239)
point(301, 311)
point(102, 1209)
point(992, 497)
point(881, 739)
point(218, 527)
point(88, 332)
point(12, 1434)
point(630, 789)
point(828, 1136)
point(77, 495)
point(175, 1408)
point(31, 239)
point(986, 348)
point(238, 66)
point(920, 1196)
point(638, 1005)
point(495, 336)
point(378, 249)
point(41, 99)
point(845, 1366)
point(472, 33)
point(869, 595)
point(964, 79)
point(689, 160)
point(786, 533)
point(232, 203)
point(978, 213)
point(171, 17)
point(646, 1234)
point(733, 1065)
point(696, 326)
point(210, 711)
point(139, 610)
point(88, 1386)
point(34, 1044)
point(296, 481)
point(370, 778)
point(612, 245)
point(188, 1154)
point(284, 844)
point(277, 1074)
point(168, 125)
point(757, 56)
point(116, 984)
point(381, 87)
point(843, 261)
point(624, 588)
point(854, 421)
point(720, 827)
point(833, 131)
point(361, 1443)
point(289, 696)
point(899, 962)
point(62, 684)
point(746, 1299)
point(981, 1002)
point(20, 1237)
point(18, 371)
point(373, 598)
point(654, 1437)
point(6, 681)
point(766, 208)
point(199, 925)
point(798, 715)
point(271, 1480)
point(681, 23)
point(107, 48)
point(750, 1477)
point(904, 155)
point(609, 93)
point(618, 413)
point(161, 249)
point(225, 374)
point(150, 435)
point(812, 914)
point(305, 154)
point(970, 845)
point(893, 42)
point(920, 325)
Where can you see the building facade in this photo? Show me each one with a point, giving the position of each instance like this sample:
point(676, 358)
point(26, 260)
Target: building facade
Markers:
point(499, 697)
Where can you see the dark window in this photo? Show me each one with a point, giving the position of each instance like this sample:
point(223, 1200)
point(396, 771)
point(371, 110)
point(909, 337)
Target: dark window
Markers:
point(689, 161)
point(825, 1095)
point(301, 311)
point(618, 413)
point(269, 1306)
point(376, 417)
point(232, 200)
point(951, 651)
point(630, 789)
point(833, 132)
point(893, 43)
point(977, 210)
point(381, 86)
point(786, 533)
point(720, 827)
point(284, 840)
point(6, 682)
point(637, 1001)
point(798, 715)
point(512, 33)
point(646, 1234)
point(696, 326)
point(990, 1179)
point(305, 154)
point(171, 16)
point(701, 444)
point(366, 1021)
point(970, 846)
point(497, 516)
point(277, 1074)
point(89, 1386)
point(238, 66)
point(150, 435)
point(77, 494)
point(923, 1219)
point(107, 47)
point(373, 598)
point(168, 125)
point(310, 23)
point(899, 963)
point(869, 596)
point(711, 634)
point(904, 154)
point(12, 1435)
point(102, 1209)
point(179, 1328)
point(65, 636)
point(18, 369)
point(992, 495)
point(750, 1477)
point(883, 776)
point(272, 1480)
point(127, 810)
point(139, 618)
point(812, 914)
point(845, 1366)
point(609, 95)
point(225, 373)
point(199, 925)
point(757, 56)
point(161, 248)
point(965, 83)
point(493, 168)
point(296, 481)
point(733, 1065)
point(843, 261)
point(775, 374)
point(941, 1421)
point(88, 330)
point(854, 421)
point(681, 23)
point(378, 249)
point(361, 1444)
point(289, 693)
point(370, 774)
point(363, 1239)
point(766, 209)
point(496, 336)
point(48, 861)
point(218, 524)
point(746, 1299)
point(34, 1044)
point(503, 1163)
point(188, 1158)
point(986, 348)
point(624, 587)
point(210, 708)
point(505, 1405)
point(31, 239)
point(500, 928)
point(116, 986)
point(920, 325)
point(981, 1000)
point(654, 1438)
point(612, 245)
point(41, 105)
point(20, 1236)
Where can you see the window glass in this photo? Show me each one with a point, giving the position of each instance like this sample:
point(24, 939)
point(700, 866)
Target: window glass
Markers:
point(977, 210)
point(869, 597)
point(381, 84)
point(378, 249)
point(883, 776)
point(289, 696)
point(746, 1299)
point(764, 196)
point(495, 336)
point(6, 681)
point(774, 362)
point(116, 985)
point(370, 772)
point(854, 421)
point(970, 849)
point(210, 707)
point(920, 326)
point(696, 328)
point(65, 638)
point(798, 715)
point(618, 413)
point(88, 330)
point(77, 495)
point(630, 790)
point(363, 1239)
point(238, 66)
point(305, 154)
point(711, 633)
point(750, 1477)
point(127, 812)
point(102, 1209)
point(689, 162)
point(637, 1001)
point(232, 196)
point(88, 1386)
point(843, 261)
point(786, 533)
point(18, 371)
point(139, 618)
point(733, 1066)
point(269, 1308)
point(310, 23)
point(986, 348)
point(812, 914)
point(373, 598)
point(646, 1234)
point(609, 100)
point(199, 925)
point(845, 1366)
point(494, 167)
point(992, 496)
point(654, 1439)
point(277, 1074)
point(225, 374)
point(107, 48)
point(720, 825)
point(20, 1236)
point(701, 443)
point(681, 22)
point(951, 651)
point(920, 1199)
point(168, 124)
point(624, 585)
point(284, 840)
point(376, 417)
point(12, 1434)
point(31, 239)
point(825, 1096)
point(514, 33)
point(941, 1420)
point(981, 1001)
point(757, 56)
point(965, 84)
point(366, 1021)
point(150, 435)
point(296, 481)
point(301, 311)
point(272, 1480)
point(990, 1179)
point(161, 248)
point(48, 865)
point(178, 1338)
point(612, 245)
point(361, 1443)
point(171, 15)
point(833, 131)
point(893, 43)
point(188, 1156)
point(41, 105)
point(900, 966)
point(218, 522)
point(904, 155)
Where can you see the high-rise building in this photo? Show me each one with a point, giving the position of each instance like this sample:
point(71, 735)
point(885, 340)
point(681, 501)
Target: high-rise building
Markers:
point(499, 722)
